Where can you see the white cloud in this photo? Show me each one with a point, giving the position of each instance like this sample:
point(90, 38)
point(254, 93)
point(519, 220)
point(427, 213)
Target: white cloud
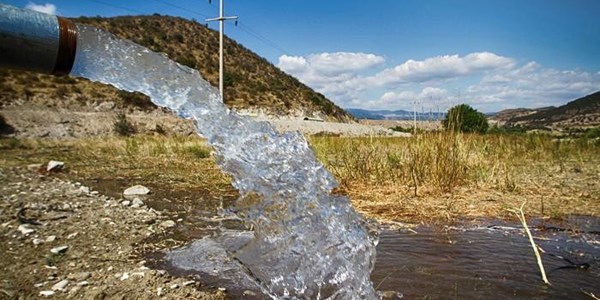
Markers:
point(532, 85)
point(47, 8)
point(441, 67)
point(329, 63)
point(487, 81)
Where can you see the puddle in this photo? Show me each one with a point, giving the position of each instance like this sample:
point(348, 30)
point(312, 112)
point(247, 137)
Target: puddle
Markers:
point(490, 262)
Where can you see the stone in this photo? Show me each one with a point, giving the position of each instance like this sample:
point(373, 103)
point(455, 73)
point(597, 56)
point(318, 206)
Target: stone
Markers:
point(84, 190)
point(105, 106)
point(159, 292)
point(35, 167)
point(188, 283)
point(81, 276)
point(136, 190)
point(25, 230)
point(174, 286)
point(83, 283)
point(50, 239)
point(55, 165)
point(125, 276)
point(126, 203)
point(167, 224)
point(137, 203)
point(391, 295)
point(37, 241)
point(47, 293)
point(59, 249)
point(59, 286)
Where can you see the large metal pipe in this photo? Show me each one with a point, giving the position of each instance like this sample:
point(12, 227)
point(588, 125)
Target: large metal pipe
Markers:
point(35, 41)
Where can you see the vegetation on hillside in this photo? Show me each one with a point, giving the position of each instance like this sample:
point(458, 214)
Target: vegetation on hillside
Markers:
point(250, 80)
point(582, 112)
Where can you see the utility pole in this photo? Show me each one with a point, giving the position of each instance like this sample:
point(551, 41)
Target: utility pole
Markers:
point(415, 116)
point(221, 20)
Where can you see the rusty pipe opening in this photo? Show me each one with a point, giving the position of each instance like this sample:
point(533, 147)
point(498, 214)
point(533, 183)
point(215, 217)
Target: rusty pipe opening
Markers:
point(36, 41)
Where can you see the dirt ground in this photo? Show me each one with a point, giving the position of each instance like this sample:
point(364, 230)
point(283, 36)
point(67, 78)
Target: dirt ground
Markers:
point(63, 240)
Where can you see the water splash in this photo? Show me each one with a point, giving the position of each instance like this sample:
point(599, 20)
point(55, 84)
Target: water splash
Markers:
point(306, 243)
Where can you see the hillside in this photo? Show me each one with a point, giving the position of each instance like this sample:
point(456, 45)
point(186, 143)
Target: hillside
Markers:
point(251, 82)
point(580, 113)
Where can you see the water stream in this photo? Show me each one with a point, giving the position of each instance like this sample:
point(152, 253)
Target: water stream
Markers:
point(304, 242)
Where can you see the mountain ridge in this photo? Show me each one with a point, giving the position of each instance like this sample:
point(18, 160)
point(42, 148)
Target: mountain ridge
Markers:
point(581, 112)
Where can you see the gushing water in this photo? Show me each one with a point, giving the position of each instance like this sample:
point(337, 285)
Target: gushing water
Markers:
point(306, 242)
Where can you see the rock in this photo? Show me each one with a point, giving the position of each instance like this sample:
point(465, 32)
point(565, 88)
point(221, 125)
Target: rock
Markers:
point(72, 235)
point(59, 286)
point(126, 203)
point(47, 293)
point(83, 283)
point(188, 283)
point(34, 167)
point(50, 239)
point(174, 286)
point(159, 292)
point(136, 190)
point(105, 106)
point(137, 203)
point(390, 295)
point(84, 190)
point(138, 274)
point(25, 230)
point(222, 289)
point(55, 166)
point(249, 293)
point(59, 249)
point(37, 241)
point(167, 224)
point(125, 276)
point(81, 276)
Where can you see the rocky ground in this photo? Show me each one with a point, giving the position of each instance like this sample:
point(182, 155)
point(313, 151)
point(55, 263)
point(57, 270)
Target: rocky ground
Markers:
point(60, 239)
point(28, 120)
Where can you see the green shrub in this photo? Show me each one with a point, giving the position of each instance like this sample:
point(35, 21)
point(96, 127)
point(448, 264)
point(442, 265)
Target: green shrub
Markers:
point(122, 126)
point(465, 119)
point(593, 133)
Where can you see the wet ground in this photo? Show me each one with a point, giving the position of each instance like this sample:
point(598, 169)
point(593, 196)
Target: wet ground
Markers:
point(491, 261)
point(475, 260)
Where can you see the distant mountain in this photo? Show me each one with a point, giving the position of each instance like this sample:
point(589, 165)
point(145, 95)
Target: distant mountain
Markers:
point(582, 112)
point(392, 114)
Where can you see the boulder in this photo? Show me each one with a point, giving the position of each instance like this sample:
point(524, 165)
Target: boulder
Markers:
point(136, 190)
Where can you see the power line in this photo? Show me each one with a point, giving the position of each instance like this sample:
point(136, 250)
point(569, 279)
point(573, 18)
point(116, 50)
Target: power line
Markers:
point(120, 7)
point(182, 8)
point(261, 38)
point(243, 27)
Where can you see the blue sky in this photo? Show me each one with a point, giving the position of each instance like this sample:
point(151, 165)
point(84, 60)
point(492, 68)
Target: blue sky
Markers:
point(391, 54)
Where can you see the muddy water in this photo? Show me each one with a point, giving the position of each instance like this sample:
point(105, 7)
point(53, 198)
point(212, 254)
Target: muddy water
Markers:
point(484, 260)
point(490, 262)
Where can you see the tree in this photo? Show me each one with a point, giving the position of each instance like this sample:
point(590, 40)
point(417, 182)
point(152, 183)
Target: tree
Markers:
point(465, 119)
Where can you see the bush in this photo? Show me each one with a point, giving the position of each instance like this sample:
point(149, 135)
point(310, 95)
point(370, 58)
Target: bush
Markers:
point(593, 133)
point(5, 128)
point(122, 126)
point(465, 119)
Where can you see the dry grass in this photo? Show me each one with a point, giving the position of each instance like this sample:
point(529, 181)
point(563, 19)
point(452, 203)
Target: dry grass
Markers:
point(431, 177)
point(444, 176)
point(177, 162)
